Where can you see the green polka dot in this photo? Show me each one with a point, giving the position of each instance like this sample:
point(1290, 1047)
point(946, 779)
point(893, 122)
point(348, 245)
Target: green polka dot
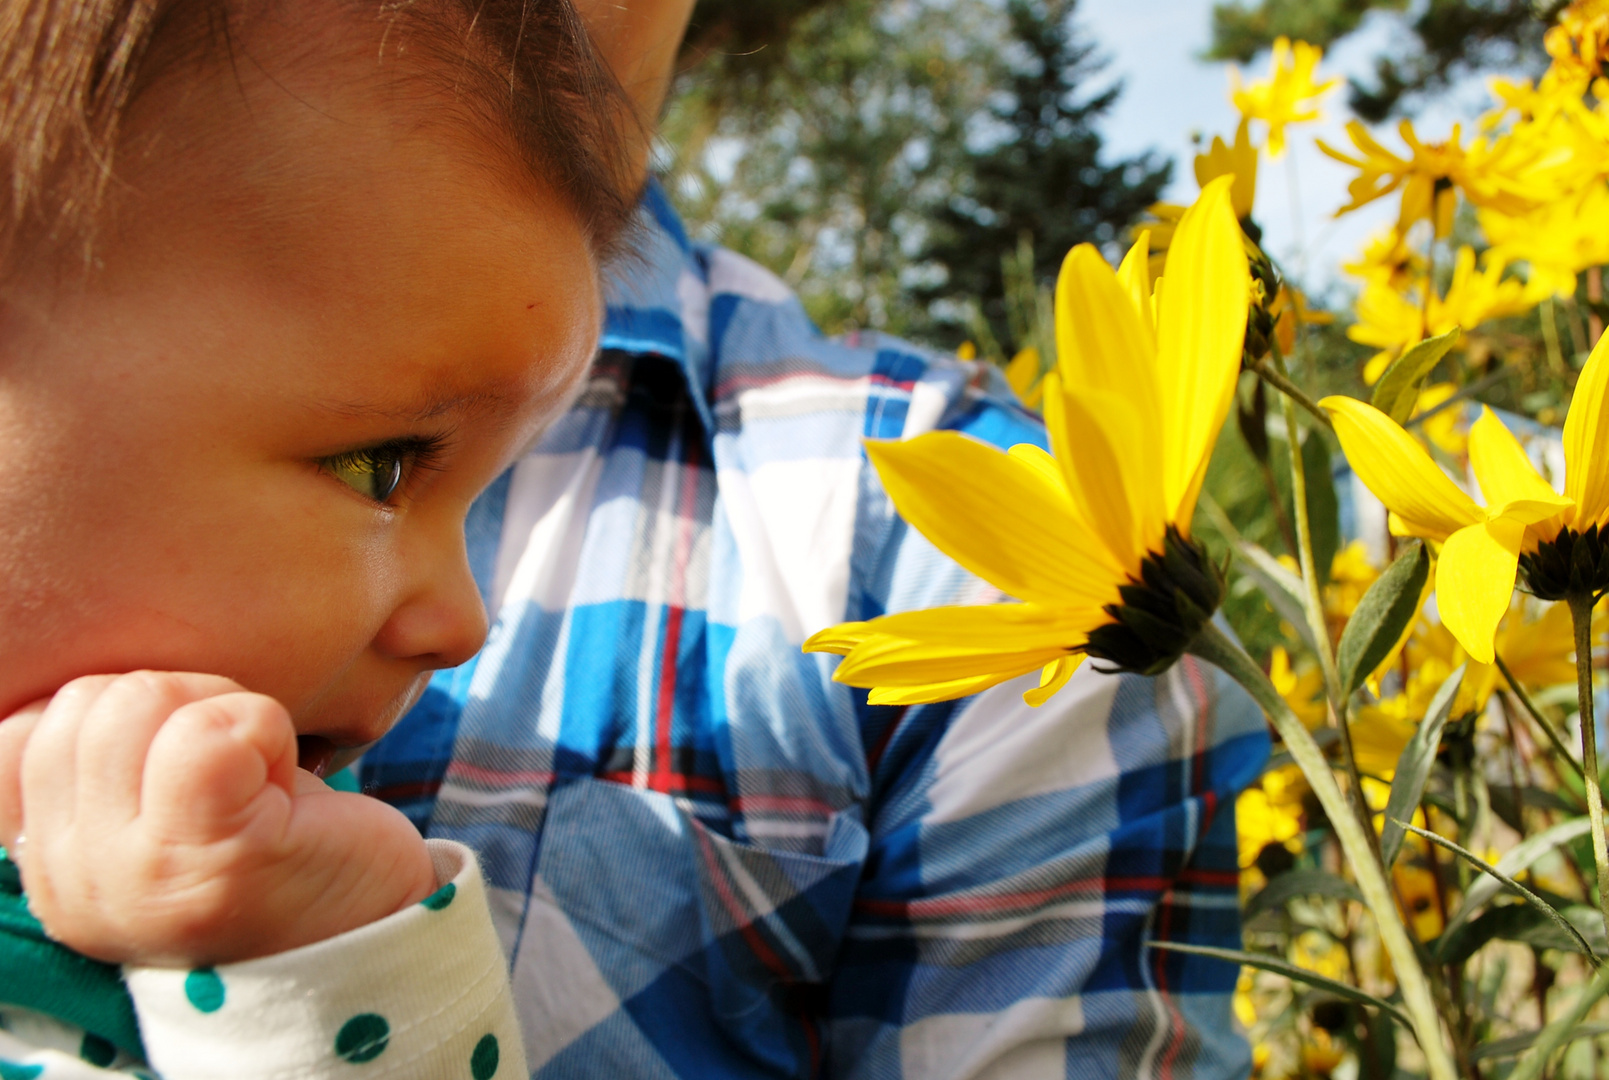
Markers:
point(483, 1062)
point(204, 989)
point(10, 1070)
point(441, 897)
point(362, 1038)
point(96, 1050)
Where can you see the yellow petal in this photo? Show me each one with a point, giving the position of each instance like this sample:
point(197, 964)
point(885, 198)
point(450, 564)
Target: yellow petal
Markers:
point(1201, 327)
point(931, 692)
point(917, 648)
point(1134, 275)
point(1103, 341)
point(1474, 581)
point(1041, 462)
point(1586, 439)
point(1512, 487)
point(1023, 375)
point(838, 639)
point(1399, 472)
point(1109, 459)
point(996, 516)
point(1053, 678)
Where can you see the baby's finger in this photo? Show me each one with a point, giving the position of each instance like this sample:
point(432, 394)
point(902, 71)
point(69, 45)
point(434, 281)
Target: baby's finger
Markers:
point(14, 733)
point(50, 765)
point(115, 736)
point(212, 762)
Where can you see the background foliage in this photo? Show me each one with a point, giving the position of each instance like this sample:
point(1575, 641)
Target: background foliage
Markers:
point(922, 166)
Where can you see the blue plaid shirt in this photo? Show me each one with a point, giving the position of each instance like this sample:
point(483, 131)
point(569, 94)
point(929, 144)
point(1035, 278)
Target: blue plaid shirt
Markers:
point(707, 859)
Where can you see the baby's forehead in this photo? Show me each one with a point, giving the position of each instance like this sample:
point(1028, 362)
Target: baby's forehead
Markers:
point(513, 82)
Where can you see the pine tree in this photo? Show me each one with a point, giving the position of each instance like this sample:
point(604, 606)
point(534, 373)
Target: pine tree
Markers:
point(1041, 179)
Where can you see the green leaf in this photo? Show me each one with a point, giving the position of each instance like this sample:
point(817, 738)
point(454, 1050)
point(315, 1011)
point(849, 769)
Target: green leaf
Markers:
point(1517, 859)
point(1382, 617)
point(1518, 1044)
point(1562, 1029)
point(1295, 883)
point(1283, 589)
point(1323, 509)
point(1413, 766)
point(1282, 967)
point(1508, 922)
point(1398, 389)
point(1553, 916)
point(1507, 802)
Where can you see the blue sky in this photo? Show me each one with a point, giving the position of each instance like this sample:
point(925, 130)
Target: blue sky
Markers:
point(1153, 46)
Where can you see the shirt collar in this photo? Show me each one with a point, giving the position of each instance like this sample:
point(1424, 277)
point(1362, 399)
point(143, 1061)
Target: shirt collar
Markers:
point(658, 298)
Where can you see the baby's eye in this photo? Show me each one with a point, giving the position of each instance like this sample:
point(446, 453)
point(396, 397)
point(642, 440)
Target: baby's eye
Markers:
point(379, 472)
point(375, 473)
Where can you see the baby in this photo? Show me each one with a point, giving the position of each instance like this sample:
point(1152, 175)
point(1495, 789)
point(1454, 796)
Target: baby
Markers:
point(283, 285)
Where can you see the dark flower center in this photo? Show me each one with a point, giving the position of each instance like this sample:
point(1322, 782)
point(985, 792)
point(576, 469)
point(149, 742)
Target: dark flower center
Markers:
point(1571, 564)
point(1162, 612)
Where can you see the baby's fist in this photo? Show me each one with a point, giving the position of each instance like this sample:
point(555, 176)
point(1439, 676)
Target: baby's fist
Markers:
point(166, 822)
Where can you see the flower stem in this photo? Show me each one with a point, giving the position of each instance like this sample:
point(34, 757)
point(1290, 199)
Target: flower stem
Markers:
point(1536, 716)
point(1313, 605)
point(1581, 615)
point(1280, 382)
point(1214, 647)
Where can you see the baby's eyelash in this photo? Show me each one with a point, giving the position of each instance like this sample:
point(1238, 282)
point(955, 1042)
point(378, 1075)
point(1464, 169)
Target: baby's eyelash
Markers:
point(419, 451)
point(380, 471)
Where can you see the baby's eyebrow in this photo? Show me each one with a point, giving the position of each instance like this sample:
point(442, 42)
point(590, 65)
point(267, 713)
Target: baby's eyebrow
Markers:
point(431, 405)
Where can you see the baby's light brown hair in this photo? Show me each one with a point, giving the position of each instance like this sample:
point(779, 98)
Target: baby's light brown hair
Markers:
point(70, 70)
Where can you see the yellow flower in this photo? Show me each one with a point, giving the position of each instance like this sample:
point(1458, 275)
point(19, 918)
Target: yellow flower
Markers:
point(1245, 1008)
point(1261, 819)
point(1580, 41)
point(1491, 173)
point(1416, 886)
point(1380, 731)
point(1321, 954)
point(1441, 430)
point(1481, 545)
point(1391, 321)
point(1288, 96)
point(1351, 574)
point(1557, 240)
point(1142, 386)
point(1304, 693)
point(1023, 373)
point(1474, 296)
point(1388, 260)
point(1321, 1054)
point(1539, 651)
point(1239, 161)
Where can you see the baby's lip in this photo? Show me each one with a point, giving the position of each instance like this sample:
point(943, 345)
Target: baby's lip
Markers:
point(314, 753)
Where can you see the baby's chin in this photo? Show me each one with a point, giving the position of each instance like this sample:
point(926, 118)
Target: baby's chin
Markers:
point(332, 735)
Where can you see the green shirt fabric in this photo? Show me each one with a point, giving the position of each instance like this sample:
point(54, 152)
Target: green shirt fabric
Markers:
point(39, 975)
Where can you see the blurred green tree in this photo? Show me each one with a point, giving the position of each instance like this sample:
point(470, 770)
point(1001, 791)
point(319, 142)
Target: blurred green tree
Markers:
point(1446, 38)
point(884, 156)
point(1039, 182)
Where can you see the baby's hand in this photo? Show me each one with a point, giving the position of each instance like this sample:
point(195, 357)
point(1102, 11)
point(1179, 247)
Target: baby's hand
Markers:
point(165, 823)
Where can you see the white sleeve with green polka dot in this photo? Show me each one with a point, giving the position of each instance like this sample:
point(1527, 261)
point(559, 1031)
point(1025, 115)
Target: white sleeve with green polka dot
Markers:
point(423, 993)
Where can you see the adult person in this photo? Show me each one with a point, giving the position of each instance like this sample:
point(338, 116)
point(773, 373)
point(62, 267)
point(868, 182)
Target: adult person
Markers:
point(709, 860)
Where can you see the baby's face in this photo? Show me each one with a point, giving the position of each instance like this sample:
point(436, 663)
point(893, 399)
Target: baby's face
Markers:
point(319, 326)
